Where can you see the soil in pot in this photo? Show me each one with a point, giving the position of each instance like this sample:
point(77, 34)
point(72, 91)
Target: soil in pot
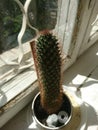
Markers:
point(42, 115)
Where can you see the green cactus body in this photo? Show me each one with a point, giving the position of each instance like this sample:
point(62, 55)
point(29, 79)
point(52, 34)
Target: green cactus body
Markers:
point(48, 58)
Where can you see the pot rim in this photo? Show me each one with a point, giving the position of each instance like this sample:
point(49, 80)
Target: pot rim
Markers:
point(47, 127)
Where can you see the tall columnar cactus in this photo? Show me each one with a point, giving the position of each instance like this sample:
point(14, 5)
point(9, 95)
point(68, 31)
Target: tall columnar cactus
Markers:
point(47, 57)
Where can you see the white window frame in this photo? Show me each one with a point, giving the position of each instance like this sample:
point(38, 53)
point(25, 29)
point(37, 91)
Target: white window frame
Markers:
point(86, 12)
point(90, 13)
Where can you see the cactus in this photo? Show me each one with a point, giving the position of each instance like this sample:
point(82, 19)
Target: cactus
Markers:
point(47, 57)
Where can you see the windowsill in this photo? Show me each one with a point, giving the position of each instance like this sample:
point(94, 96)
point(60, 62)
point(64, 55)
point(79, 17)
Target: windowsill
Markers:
point(16, 85)
point(84, 74)
point(18, 88)
point(10, 85)
point(15, 94)
point(10, 77)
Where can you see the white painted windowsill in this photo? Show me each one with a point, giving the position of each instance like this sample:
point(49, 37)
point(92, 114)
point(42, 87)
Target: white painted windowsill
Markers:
point(16, 94)
point(18, 88)
point(82, 74)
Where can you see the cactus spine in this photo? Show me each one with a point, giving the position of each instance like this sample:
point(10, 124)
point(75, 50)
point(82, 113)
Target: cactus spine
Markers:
point(48, 65)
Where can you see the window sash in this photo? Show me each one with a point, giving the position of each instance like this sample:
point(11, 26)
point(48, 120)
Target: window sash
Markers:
point(15, 65)
point(70, 29)
point(67, 17)
point(10, 69)
point(91, 14)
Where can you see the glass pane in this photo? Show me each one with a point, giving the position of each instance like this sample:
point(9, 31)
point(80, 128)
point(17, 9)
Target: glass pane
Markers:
point(10, 23)
point(42, 15)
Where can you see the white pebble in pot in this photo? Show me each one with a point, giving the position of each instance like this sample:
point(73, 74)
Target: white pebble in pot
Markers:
point(62, 117)
point(52, 120)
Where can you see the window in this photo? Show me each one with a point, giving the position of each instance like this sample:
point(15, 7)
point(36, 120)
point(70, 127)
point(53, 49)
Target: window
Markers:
point(15, 56)
point(65, 17)
point(16, 63)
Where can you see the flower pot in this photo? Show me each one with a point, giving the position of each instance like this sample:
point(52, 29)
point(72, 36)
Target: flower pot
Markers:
point(40, 115)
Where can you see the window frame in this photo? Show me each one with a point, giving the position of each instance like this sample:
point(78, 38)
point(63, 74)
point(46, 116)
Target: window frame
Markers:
point(90, 13)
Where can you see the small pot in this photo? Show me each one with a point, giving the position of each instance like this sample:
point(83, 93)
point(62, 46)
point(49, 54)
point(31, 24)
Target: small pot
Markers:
point(39, 114)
